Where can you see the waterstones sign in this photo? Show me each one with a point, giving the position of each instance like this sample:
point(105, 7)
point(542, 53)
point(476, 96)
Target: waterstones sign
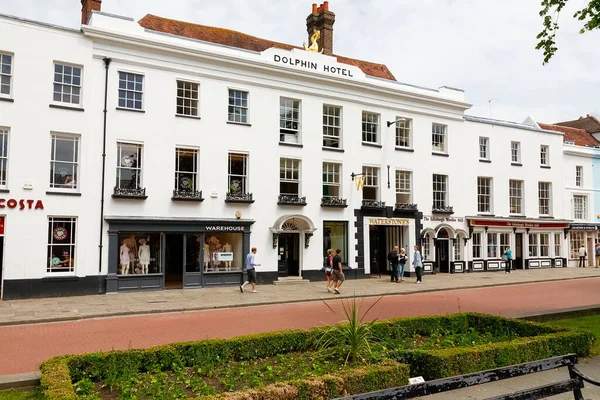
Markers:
point(313, 66)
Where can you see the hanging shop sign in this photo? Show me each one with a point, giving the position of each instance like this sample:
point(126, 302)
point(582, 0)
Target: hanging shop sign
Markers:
point(221, 228)
point(22, 204)
point(389, 221)
point(1, 225)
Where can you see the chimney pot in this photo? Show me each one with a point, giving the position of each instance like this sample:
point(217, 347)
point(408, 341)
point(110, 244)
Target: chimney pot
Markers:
point(326, 6)
point(314, 8)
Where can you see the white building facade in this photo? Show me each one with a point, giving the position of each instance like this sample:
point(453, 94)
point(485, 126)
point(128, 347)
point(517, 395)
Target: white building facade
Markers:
point(157, 161)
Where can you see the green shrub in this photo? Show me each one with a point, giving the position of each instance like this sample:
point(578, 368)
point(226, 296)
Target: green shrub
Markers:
point(532, 341)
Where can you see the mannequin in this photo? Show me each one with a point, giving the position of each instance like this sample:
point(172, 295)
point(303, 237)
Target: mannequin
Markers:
point(124, 257)
point(206, 255)
point(144, 255)
point(227, 249)
point(215, 257)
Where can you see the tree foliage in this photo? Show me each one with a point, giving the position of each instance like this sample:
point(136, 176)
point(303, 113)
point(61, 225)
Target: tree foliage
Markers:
point(551, 9)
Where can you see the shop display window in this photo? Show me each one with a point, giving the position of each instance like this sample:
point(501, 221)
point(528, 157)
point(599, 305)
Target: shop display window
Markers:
point(335, 236)
point(61, 244)
point(221, 252)
point(139, 253)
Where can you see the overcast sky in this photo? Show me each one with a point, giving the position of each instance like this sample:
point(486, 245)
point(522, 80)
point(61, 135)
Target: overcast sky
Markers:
point(486, 47)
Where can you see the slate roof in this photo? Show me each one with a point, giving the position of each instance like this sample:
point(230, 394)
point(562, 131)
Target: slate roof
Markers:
point(240, 40)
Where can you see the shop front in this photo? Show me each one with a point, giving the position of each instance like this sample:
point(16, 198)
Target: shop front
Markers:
point(582, 235)
point(165, 253)
point(443, 243)
point(535, 243)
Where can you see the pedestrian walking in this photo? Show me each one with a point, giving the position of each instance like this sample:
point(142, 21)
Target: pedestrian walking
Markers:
point(418, 263)
point(402, 259)
point(582, 254)
point(329, 269)
point(338, 274)
point(597, 255)
point(251, 268)
point(393, 259)
point(507, 257)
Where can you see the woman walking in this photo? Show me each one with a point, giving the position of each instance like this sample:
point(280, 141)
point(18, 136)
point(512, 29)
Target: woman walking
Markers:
point(328, 269)
point(402, 258)
point(418, 263)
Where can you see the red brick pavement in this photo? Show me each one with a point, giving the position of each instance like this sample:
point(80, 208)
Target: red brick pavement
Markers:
point(24, 347)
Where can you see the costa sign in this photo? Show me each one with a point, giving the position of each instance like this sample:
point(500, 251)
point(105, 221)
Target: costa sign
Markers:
point(22, 204)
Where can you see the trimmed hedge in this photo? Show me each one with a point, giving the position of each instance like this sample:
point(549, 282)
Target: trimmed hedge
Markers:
point(535, 341)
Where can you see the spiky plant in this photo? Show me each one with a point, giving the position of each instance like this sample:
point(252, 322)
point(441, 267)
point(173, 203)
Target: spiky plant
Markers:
point(352, 338)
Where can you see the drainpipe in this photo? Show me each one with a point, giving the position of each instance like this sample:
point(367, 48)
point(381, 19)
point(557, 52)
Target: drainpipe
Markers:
point(106, 64)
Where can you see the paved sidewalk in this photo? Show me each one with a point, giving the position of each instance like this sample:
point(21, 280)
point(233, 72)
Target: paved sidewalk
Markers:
point(589, 366)
point(72, 308)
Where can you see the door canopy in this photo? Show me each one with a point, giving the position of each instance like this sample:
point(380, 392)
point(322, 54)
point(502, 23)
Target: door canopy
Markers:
point(293, 223)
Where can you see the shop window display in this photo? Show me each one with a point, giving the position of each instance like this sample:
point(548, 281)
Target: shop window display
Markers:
point(139, 254)
point(61, 244)
point(222, 252)
point(335, 237)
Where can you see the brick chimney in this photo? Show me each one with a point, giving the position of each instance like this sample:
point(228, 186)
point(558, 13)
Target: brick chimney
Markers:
point(87, 6)
point(322, 20)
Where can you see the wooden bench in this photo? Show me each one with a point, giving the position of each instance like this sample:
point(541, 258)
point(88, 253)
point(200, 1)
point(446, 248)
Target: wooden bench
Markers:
point(573, 384)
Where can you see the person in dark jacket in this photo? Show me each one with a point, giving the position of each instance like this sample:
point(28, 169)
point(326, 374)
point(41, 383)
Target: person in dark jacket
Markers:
point(393, 259)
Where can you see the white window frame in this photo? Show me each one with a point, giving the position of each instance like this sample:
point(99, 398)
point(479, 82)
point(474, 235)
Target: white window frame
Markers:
point(71, 222)
point(289, 120)
point(476, 246)
point(544, 251)
point(439, 138)
point(440, 187)
point(188, 104)
point(371, 127)
point(371, 175)
point(492, 246)
point(4, 137)
point(67, 81)
point(139, 168)
point(404, 185)
point(332, 126)
point(578, 175)
point(331, 177)
point(533, 248)
point(484, 148)
point(557, 245)
point(426, 247)
point(133, 89)
point(545, 198)
point(243, 178)
point(580, 211)
point(504, 242)
point(73, 185)
point(4, 75)
point(238, 106)
point(484, 195)
point(545, 155)
point(515, 152)
point(290, 168)
point(458, 248)
point(179, 150)
point(404, 133)
point(576, 240)
point(516, 197)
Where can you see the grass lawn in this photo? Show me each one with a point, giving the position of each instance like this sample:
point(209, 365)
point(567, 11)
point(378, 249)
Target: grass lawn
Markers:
point(18, 395)
point(590, 323)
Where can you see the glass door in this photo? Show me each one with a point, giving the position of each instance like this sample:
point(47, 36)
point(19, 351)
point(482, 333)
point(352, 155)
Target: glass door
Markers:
point(194, 260)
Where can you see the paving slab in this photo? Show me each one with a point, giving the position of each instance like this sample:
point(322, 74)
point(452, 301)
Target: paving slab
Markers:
point(95, 306)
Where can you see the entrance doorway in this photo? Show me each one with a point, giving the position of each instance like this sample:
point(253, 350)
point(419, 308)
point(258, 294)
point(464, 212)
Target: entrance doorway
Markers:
point(518, 262)
point(289, 255)
point(378, 249)
point(174, 261)
point(442, 251)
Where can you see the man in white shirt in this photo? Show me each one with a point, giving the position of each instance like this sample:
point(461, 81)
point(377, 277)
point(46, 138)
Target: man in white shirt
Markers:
point(250, 267)
point(582, 254)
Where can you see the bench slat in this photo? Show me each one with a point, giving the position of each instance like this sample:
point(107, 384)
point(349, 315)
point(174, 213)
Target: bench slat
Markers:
point(542, 392)
point(467, 380)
